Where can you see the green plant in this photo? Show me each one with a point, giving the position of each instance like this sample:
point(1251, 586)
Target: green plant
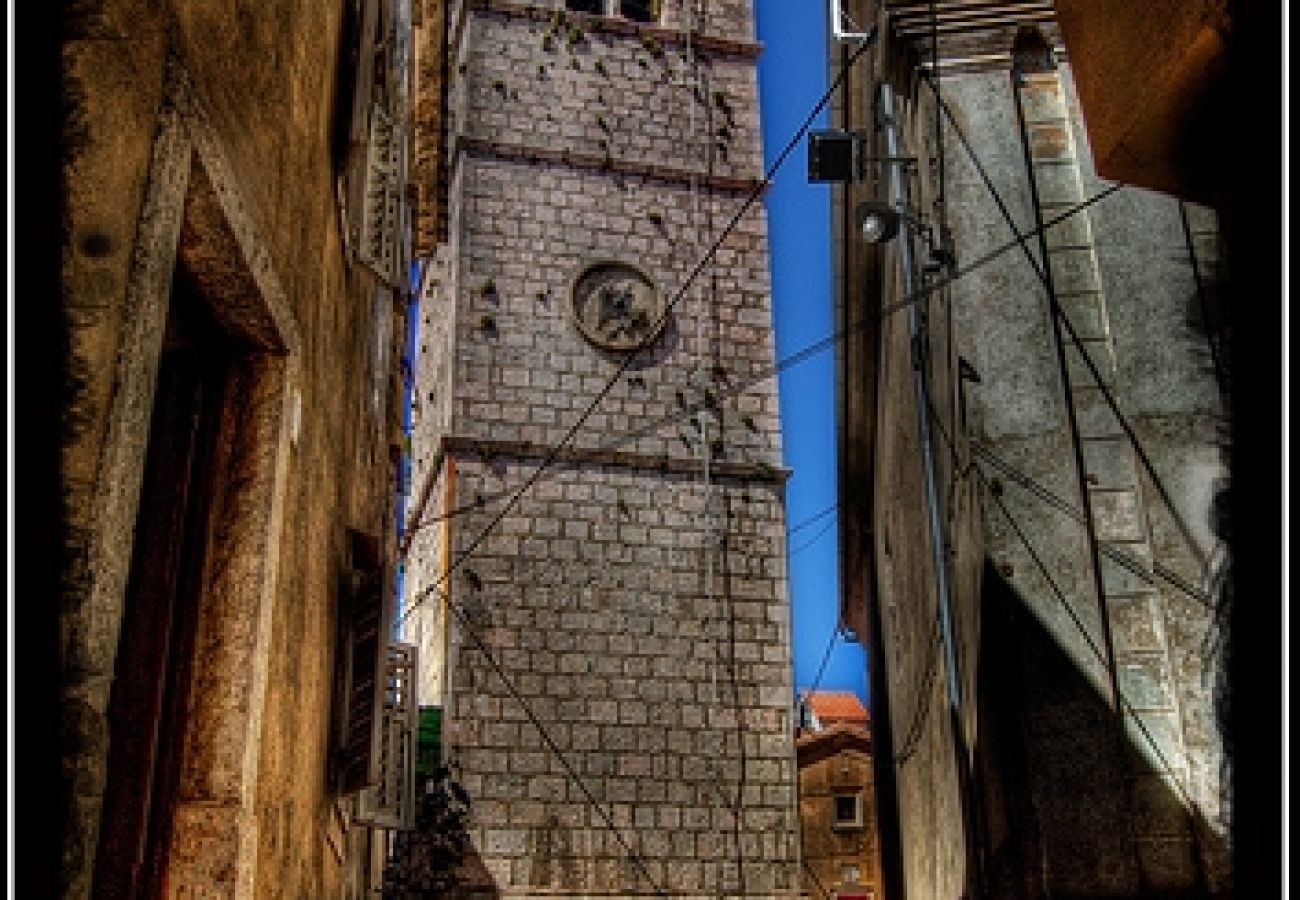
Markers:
point(424, 860)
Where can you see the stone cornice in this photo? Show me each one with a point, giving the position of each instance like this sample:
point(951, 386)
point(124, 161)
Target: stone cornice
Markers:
point(668, 37)
point(722, 184)
point(663, 464)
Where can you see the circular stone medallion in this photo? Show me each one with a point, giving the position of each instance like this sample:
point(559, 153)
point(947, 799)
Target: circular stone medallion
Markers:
point(616, 306)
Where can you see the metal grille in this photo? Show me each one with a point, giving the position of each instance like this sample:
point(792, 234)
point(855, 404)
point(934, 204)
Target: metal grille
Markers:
point(973, 34)
point(390, 803)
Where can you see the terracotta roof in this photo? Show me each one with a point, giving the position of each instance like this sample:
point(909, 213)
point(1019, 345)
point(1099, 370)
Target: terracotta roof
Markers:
point(838, 706)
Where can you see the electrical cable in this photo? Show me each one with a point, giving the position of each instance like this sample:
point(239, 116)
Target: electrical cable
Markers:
point(1056, 310)
point(816, 879)
point(1078, 622)
point(798, 357)
point(551, 745)
point(1130, 563)
point(826, 657)
point(651, 333)
point(925, 690)
point(814, 539)
point(815, 517)
point(794, 359)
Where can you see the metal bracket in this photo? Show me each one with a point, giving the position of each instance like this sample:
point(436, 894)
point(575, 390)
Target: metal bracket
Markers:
point(837, 26)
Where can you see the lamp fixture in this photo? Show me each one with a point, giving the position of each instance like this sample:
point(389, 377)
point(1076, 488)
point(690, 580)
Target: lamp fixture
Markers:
point(836, 155)
point(876, 221)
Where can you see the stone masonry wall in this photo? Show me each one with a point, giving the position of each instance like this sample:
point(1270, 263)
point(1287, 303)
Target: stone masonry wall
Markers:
point(1165, 389)
point(269, 121)
point(669, 697)
point(657, 692)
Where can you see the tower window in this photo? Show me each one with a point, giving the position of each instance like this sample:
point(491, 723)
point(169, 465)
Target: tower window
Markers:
point(633, 10)
point(847, 811)
point(640, 10)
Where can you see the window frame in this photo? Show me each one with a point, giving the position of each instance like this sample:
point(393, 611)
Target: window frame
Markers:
point(841, 824)
point(613, 9)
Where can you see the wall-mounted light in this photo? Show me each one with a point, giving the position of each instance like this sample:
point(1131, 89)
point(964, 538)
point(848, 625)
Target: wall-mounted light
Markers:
point(877, 222)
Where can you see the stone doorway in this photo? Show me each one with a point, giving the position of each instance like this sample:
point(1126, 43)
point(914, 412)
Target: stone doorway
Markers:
point(187, 535)
point(155, 658)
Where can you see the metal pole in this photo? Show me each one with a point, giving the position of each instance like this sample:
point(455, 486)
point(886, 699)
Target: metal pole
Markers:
point(898, 189)
point(938, 541)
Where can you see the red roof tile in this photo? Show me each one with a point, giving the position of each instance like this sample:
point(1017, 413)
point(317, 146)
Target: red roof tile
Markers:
point(838, 706)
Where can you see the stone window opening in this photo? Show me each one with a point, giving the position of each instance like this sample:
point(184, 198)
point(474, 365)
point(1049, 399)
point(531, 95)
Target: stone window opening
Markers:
point(849, 874)
point(644, 11)
point(847, 811)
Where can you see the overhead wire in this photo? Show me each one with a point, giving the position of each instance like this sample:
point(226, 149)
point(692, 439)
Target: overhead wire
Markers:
point(1074, 617)
point(811, 520)
point(695, 96)
point(1055, 307)
point(651, 333)
point(836, 633)
point(606, 820)
point(1157, 572)
point(467, 625)
point(798, 357)
point(787, 362)
point(814, 539)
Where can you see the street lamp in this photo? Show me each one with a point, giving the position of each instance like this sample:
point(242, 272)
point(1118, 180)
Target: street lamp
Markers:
point(876, 221)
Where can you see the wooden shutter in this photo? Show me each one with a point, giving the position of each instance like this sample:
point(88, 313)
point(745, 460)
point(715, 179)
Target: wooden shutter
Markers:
point(366, 616)
point(390, 802)
point(381, 226)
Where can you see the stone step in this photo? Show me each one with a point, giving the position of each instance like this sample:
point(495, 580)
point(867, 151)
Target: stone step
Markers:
point(1117, 515)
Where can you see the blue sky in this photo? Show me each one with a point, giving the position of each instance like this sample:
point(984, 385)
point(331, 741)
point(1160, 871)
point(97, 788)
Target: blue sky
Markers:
point(792, 78)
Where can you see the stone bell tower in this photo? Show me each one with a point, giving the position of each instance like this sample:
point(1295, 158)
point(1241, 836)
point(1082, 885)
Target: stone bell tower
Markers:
point(613, 655)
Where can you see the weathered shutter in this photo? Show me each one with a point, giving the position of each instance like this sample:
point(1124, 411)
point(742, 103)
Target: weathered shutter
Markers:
point(363, 93)
point(366, 615)
point(382, 201)
point(390, 803)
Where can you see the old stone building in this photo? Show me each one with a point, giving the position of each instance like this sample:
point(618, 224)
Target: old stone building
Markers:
point(234, 286)
point(595, 570)
point(1031, 455)
point(837, 801)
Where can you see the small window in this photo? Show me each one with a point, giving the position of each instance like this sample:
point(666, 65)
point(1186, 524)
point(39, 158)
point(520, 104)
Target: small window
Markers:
point(596, 7)
point(640, 10)
point(849, 874)
point(848, 811)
